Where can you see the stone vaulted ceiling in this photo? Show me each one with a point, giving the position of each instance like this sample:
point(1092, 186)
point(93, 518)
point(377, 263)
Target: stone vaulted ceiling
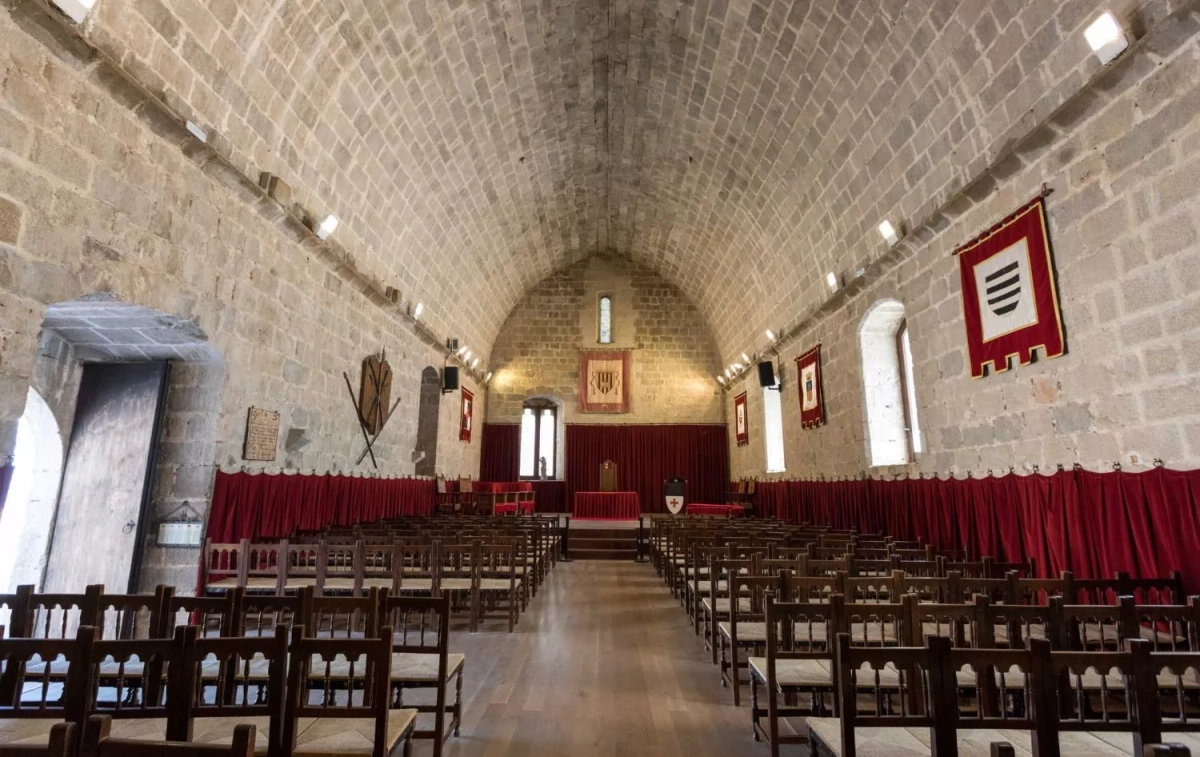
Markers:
point(742, 148)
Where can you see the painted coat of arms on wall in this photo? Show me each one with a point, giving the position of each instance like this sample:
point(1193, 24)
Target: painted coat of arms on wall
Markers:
point(1010, 304)
point(604, 382)
point(468, 413)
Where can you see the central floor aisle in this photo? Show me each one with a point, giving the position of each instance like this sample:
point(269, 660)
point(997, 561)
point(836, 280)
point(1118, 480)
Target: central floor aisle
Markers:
point(603, 663)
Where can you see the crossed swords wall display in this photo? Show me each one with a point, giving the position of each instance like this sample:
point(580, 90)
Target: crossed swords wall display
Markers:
point(374, 392)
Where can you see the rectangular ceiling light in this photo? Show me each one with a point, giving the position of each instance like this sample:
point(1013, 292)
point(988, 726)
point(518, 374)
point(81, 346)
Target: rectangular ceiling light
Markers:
point(888, 232)
point(76, 10)
point(1105, 38)
point(327, 227)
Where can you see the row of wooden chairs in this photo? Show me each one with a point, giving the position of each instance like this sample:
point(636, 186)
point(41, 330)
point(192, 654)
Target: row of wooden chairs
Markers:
point(304, 695)
point(935, 697)
point(491, 578)
point(421, 659)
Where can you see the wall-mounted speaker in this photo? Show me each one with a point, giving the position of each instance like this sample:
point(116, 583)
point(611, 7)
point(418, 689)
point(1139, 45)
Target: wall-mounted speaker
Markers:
point(766, 373)
point(449, 378)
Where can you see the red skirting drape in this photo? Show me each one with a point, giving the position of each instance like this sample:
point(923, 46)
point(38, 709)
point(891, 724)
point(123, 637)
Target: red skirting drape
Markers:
point(248, 506)
point(647, 455)
point(500, 453)
point(1092, 524)
point(6, 473)
point(551, 496)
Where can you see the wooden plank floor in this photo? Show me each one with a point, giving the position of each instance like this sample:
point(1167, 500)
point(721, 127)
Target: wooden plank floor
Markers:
point(603, 664)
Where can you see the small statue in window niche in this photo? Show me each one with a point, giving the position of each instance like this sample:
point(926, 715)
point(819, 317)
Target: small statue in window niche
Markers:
point(542, 467)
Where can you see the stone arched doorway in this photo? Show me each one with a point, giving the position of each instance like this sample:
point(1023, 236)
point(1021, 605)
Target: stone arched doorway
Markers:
point(427, 421)
point(28, 514)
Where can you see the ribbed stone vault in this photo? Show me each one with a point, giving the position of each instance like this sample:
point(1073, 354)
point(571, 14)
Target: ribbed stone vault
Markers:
point(742, 148)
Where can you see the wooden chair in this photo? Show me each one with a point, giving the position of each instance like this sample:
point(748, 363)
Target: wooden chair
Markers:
point(143, 698)
point(97, 742)
point(716, 603)
point(466, 494)
point(215, 615)
point(608, 476)
point(351, 713)
point(444, 498)
point(31, 705)
point(132, 616)
point(14, 611)
point(224, 566)
point(262, 614)
point(339, 568)
point(498, 588)
point(231, 682)
point(421, 660)
point(744, 629)
point(343, 617)
point(798, 662)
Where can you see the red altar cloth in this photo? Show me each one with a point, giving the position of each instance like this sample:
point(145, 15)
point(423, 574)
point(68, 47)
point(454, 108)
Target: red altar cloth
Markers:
point(510, 508)
point(607, 505)
point(729, 510)
point(502, 487)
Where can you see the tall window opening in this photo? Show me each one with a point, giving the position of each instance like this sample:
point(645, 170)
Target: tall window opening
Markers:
point(889, 389)
point(773, 427)
point(909, 389)
point(605, 319)
point(539, 428)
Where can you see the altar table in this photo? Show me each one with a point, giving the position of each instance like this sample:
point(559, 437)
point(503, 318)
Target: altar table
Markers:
point(733, 511)
point(607, 505)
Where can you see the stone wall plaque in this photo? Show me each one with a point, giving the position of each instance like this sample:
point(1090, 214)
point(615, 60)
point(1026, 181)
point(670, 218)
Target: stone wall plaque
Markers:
point(262, 435)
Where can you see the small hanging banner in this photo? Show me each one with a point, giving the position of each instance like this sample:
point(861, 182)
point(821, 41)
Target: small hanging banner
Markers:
point(741, 423)
point(812, 396)
point(468, 410)
point(1010, 303)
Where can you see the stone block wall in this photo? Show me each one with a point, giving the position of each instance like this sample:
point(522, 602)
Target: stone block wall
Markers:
point(674, 358)
point(95, 198)
point(1124, 222)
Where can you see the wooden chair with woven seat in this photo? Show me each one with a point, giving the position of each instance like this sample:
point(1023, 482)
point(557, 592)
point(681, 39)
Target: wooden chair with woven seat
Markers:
point(60, 743)
point(98, 742)
point(340, 568)
point(498, 587)
point(215, 615)
point(130, 684)
point(421, 660)
point(31, 706)
point(746, 629)
point(798, 663)
point(338, 699)
point(231, 682)
point(344, 617)
point(262, 614)
point(466, 495)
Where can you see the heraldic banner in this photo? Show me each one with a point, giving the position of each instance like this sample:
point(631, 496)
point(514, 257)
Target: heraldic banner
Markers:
point(604, 382)
point(1010, 304)
point(812, 395)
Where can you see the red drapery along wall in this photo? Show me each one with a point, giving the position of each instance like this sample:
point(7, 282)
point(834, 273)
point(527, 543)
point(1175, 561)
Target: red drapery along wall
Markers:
point(248, 506)
point(500, 455)
point(646, 456)
point(1092, 524)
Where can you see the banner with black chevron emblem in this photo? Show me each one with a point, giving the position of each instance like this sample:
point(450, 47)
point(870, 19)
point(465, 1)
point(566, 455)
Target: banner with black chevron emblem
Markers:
point(1010, 302)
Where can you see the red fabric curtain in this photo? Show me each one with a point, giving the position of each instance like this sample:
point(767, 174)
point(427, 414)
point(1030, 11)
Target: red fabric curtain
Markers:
point(551, 496)
point(500, 455)
point(6, 474)
point(248, 506)
point(646, 456)
point(1092, 524)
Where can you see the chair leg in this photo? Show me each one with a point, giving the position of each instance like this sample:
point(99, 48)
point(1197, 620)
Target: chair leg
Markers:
point(458, 700)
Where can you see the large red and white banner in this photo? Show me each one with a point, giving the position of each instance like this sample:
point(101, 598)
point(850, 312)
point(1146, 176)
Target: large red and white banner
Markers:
point(604, 381)
point(1010, 303)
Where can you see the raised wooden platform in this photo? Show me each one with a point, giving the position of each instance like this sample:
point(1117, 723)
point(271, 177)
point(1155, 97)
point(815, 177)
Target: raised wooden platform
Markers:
point(602, 540)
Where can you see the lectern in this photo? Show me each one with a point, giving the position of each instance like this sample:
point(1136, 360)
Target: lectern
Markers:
point(608, 476)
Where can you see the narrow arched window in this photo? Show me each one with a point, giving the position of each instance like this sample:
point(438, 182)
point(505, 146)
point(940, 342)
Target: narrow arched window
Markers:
point(889, 389)
point(605, 319)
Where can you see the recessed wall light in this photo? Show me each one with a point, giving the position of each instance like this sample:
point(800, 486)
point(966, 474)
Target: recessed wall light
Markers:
point(770, 335)
point(1105, 38)
point(832, 280)
point(475, 363)
point(728, 373)
point(420, 308)
point(327, 227)
point(746, 358)
point(462, 350)
point(888, 232)
point(467, 355)
point(488, 377)
point(721, 380)
point(197, 131)
point(737, 367)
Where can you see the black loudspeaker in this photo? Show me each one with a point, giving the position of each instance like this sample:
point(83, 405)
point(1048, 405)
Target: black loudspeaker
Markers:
point(449, 378)
point(766, 373)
